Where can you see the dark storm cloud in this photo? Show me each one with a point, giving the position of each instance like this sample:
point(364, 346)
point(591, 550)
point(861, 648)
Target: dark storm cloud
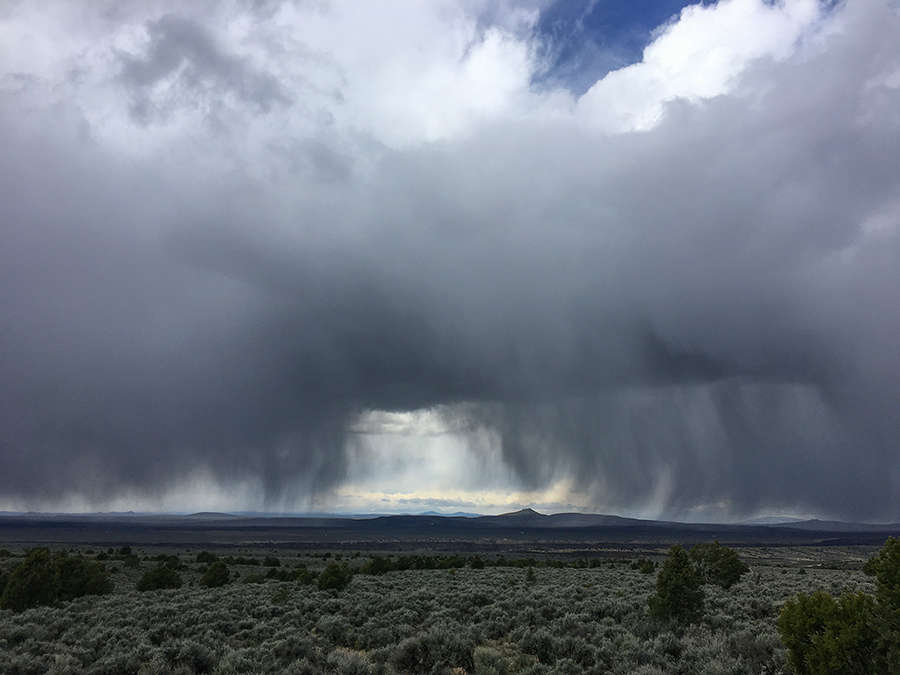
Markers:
point(702, 313)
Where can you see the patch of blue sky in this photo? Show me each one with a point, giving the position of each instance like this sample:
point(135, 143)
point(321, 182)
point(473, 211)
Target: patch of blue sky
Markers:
point(585, 39)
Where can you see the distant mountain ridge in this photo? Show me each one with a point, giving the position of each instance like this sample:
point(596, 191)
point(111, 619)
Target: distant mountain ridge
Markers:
point(523, 518)
point(524, 528)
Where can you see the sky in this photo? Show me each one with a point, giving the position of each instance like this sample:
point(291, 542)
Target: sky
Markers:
point(639, 258)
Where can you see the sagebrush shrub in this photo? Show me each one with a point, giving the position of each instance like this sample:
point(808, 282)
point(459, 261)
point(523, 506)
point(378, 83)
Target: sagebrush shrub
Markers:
point(589, 619)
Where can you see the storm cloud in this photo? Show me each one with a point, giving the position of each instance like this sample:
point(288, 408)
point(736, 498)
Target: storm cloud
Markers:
point(227, 234)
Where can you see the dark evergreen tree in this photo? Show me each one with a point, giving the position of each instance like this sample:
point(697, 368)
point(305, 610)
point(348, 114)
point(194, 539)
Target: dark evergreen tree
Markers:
point(206, 558)
point(215, 576)
point(644, 565)
point(34, 581)
point(336, 576)
point(718, 564)
point(161, 576)
point(79, 577)
point(855, 634)
point(825, 636)
point(887, 595)
point(679, 595)
point(377, 565)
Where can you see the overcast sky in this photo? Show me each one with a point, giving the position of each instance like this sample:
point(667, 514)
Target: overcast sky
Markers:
point(462, 255)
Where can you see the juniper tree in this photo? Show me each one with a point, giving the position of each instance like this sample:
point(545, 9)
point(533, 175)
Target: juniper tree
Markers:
point(718, 564)
point(43, 578)
point(34, 581)
point(853, 634)
point(215, 576)
point(161, 576)
point(336, 576)
point(679, 595)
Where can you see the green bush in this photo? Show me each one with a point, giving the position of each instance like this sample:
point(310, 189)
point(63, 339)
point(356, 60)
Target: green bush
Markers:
point(161, 576)
point(336, 576)
point(868, 567)
point(271, 561)
point(131, 561)
point(887, 574)
point(644, 565)
point(718, 564)
point(78, 577)
point(172, 561)
point(281, 596)
point(857, 633)
point(299, 574)
point(887, 596)
point(305, 576)
point(206, 558)
point(825, 636)
point(377, 565)
point(34, 581)
point(215, 576)
point(678, 593)
point(43, 578)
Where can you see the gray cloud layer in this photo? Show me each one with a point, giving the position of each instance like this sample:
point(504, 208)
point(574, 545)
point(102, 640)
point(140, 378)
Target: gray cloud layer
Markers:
point(702, 313)
point(176, 42)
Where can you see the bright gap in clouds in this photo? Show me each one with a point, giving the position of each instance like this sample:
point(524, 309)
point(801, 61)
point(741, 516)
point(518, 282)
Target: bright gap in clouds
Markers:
point(417, 461)
point(409, 462)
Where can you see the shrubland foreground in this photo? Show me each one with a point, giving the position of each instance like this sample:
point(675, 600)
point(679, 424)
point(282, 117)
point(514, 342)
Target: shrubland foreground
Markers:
point(280, 612)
